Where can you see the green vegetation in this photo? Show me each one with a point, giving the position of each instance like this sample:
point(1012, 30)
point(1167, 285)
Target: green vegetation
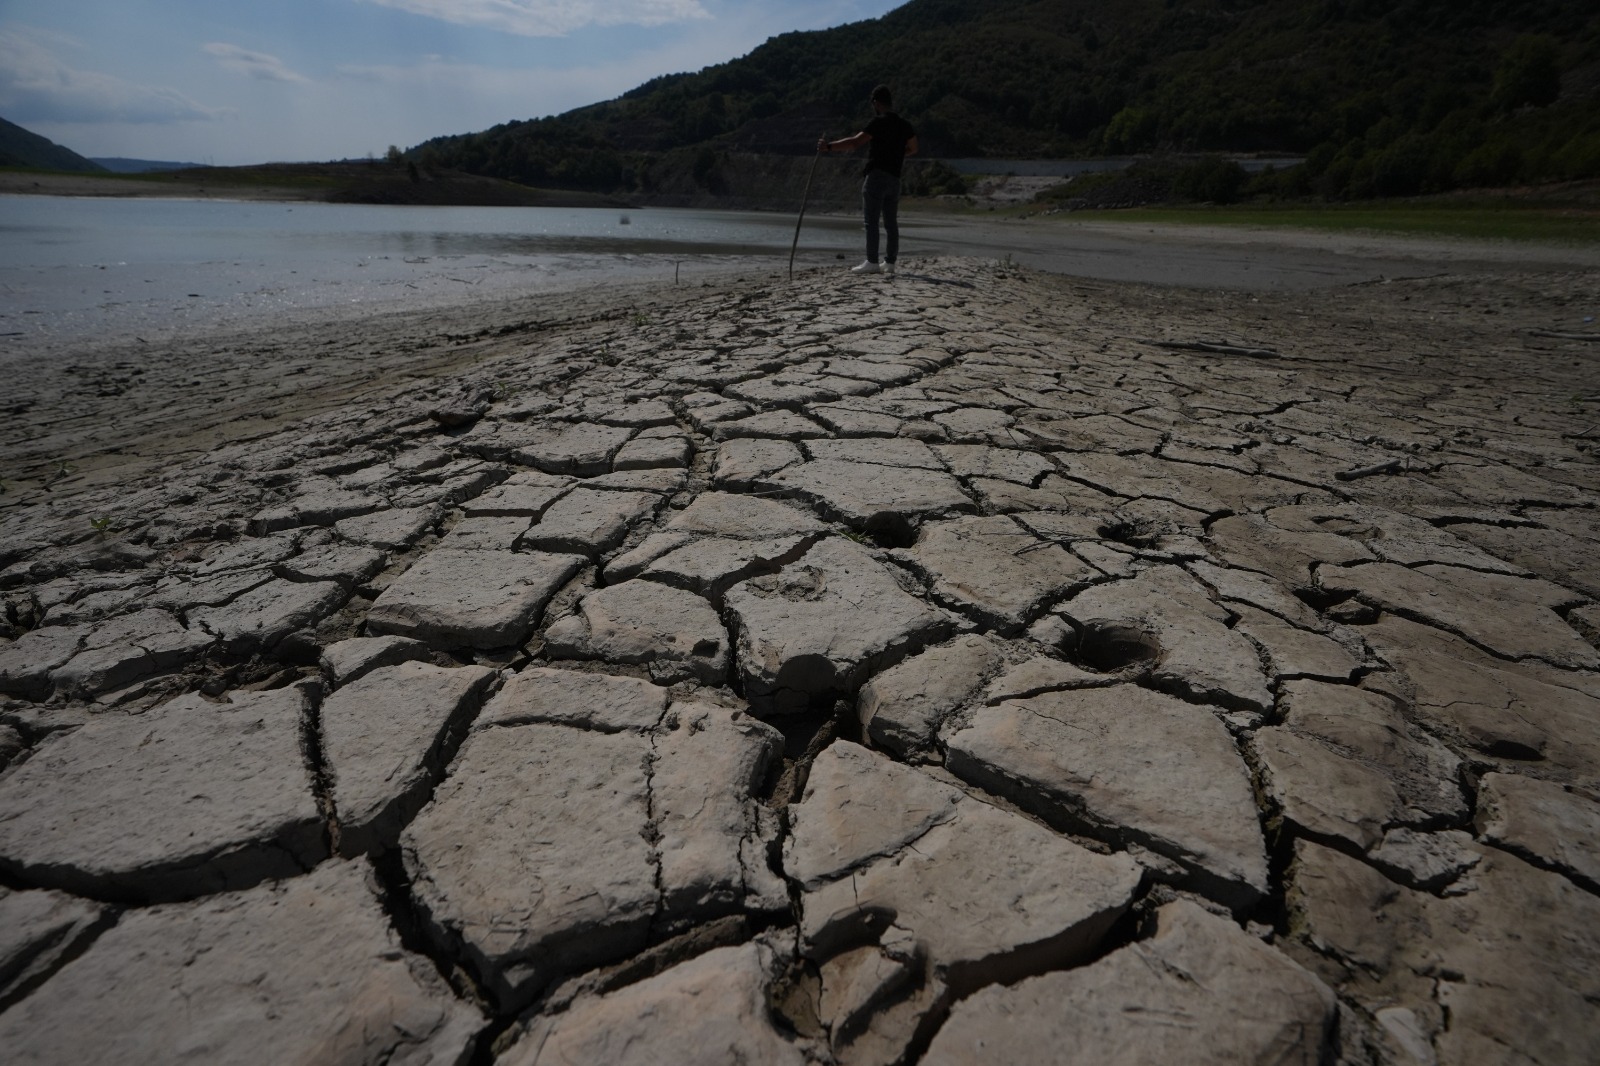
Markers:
point(371, 182)
point(1383, 97)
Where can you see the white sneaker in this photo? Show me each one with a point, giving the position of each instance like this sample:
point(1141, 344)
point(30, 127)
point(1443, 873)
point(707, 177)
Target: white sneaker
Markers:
point(867, 267)
point(888, 268)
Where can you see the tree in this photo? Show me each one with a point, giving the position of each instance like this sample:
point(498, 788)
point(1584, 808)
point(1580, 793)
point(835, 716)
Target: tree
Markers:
point(1528, 73)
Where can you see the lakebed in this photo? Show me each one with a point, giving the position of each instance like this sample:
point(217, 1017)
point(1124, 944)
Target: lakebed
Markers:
point(816, 669)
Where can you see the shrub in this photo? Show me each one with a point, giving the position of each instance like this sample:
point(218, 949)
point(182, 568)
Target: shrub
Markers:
point(934, 178)
point(1211, 179)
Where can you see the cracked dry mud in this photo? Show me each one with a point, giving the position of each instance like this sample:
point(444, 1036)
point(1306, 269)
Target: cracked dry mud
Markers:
point(965, 668)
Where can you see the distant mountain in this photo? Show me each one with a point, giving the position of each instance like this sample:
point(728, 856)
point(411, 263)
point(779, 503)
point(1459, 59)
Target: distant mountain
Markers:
point(1382, 96)
point(21, 148)
point(119, 165)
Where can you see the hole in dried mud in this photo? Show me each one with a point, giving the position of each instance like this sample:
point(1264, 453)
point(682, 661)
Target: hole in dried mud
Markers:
point(1110, 649)
point(804, 737)
point(891, 531)
point(1319, 599)
point(1136, 533)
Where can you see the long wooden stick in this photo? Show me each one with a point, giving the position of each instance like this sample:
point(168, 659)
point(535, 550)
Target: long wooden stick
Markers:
point(799, 221)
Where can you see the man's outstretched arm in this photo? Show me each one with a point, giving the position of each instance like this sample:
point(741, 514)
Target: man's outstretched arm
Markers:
point(847, 144)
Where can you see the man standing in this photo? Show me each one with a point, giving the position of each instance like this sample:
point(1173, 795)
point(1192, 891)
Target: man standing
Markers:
point(889, 139)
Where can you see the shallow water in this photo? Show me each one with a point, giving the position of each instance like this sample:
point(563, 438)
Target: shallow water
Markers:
point(80, 268)
point(76, 271)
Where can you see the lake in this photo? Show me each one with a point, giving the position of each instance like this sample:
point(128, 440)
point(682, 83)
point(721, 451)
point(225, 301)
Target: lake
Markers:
point(78, 267)
point(75, 270)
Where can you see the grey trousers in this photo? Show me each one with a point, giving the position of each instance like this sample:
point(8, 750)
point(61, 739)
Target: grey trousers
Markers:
point(880, 198)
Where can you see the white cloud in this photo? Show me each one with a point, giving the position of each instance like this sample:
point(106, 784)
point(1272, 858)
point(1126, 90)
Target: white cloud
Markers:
point(256, 65)
point(552, 18)
point(36, 86)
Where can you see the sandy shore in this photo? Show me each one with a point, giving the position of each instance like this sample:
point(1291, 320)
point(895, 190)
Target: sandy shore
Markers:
point(837, 670)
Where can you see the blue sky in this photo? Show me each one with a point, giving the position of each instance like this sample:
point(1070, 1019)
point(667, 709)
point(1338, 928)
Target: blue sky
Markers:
point(248, 81)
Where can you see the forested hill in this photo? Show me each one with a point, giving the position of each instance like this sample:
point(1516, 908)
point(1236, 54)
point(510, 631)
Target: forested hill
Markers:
point(1383, 96)
point(24, 148)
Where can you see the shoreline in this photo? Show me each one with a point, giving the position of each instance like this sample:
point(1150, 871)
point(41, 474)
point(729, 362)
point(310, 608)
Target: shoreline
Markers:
point(122, 406)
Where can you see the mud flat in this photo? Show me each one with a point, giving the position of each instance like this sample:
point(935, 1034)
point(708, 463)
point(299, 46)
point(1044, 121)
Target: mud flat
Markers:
point(978, 665)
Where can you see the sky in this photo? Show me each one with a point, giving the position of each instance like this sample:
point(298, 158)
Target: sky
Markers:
point(234, 82)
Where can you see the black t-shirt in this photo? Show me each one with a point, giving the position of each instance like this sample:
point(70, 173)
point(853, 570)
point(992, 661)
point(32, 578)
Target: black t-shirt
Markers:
point(889, 133)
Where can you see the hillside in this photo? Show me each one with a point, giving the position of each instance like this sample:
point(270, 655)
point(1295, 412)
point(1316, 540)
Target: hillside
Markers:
point(22, 148)
point(1385, 98)
point(121, 165)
